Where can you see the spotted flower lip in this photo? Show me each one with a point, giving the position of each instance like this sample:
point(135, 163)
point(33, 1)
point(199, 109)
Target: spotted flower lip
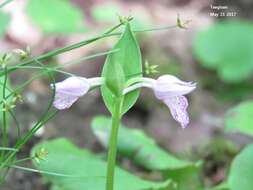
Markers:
point(68, 91)
point(170, 90)
point(178, 109)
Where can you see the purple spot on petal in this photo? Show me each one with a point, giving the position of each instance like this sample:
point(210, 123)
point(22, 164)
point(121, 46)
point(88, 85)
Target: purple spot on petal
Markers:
point(178, 108)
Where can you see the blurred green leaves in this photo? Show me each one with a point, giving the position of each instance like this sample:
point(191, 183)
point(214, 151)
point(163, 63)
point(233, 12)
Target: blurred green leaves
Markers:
point(241, 172)
point(110, 11)
point(240, 118)
point(143, 150)
point(133, 143)
point(84, 170)
point(106, 12)
point(227, 47)
point(56, 16)
point(55, 187)
point(222, 186)
point(4, 20)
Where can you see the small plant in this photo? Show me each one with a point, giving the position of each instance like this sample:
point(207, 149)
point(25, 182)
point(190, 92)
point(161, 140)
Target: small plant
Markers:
point(68, 167)
point(120, 82)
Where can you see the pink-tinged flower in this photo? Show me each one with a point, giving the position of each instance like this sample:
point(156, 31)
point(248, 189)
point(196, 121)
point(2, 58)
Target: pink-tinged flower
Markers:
point(178, 109)
point(71, 89)
point(170, 90)
point(168, 86)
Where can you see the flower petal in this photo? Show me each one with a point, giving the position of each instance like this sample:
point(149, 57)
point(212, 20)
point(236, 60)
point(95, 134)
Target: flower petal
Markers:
point(63, 101)
point(178, 108)
point(168, 86)
point(69, 90)
point(76, 86)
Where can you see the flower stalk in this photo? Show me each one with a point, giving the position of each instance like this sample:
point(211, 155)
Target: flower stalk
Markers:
point(111, 161)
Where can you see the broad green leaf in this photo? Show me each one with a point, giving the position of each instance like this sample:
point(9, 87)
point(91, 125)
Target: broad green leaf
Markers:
point(241, 172)
point(223, 186)
point(133, 143)
point(143, 150)
point(114, 77)
point(240, 118)
point(85, 170)
point(227, 47)
point(119, 67)
point(187, 178)
point(4, 20)
point(55, 187)
point(56, 16)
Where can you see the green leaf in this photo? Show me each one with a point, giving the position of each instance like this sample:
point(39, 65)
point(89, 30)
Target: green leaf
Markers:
point(133, 143)
point(240, 118)
point(227, 47)
point(56, 16)
point(4, 21)
point(114, 77)
point(223, 186)
point(187, 178)
point(86, 171)
point(143, 150)
point(55, 187)
point(241, 171)
point(119, 67)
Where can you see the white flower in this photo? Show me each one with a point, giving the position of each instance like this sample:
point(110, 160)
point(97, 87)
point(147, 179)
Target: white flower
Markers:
point(168, 86)
point(71, 89)
point(170, 90)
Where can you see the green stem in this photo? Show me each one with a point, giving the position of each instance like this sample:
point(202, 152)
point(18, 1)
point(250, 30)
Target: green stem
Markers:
point(5, 138)
point(65, 49)
point(46, 116)
point(4, 126)
point(83, 43)
point(24, 140)
point(116, 117)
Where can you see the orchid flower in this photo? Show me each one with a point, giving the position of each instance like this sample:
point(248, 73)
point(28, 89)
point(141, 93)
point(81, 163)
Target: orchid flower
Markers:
point(170, 90)
point(167, 88)
point(71, 89)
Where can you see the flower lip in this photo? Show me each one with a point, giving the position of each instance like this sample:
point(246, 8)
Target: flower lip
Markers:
point(178, 109)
